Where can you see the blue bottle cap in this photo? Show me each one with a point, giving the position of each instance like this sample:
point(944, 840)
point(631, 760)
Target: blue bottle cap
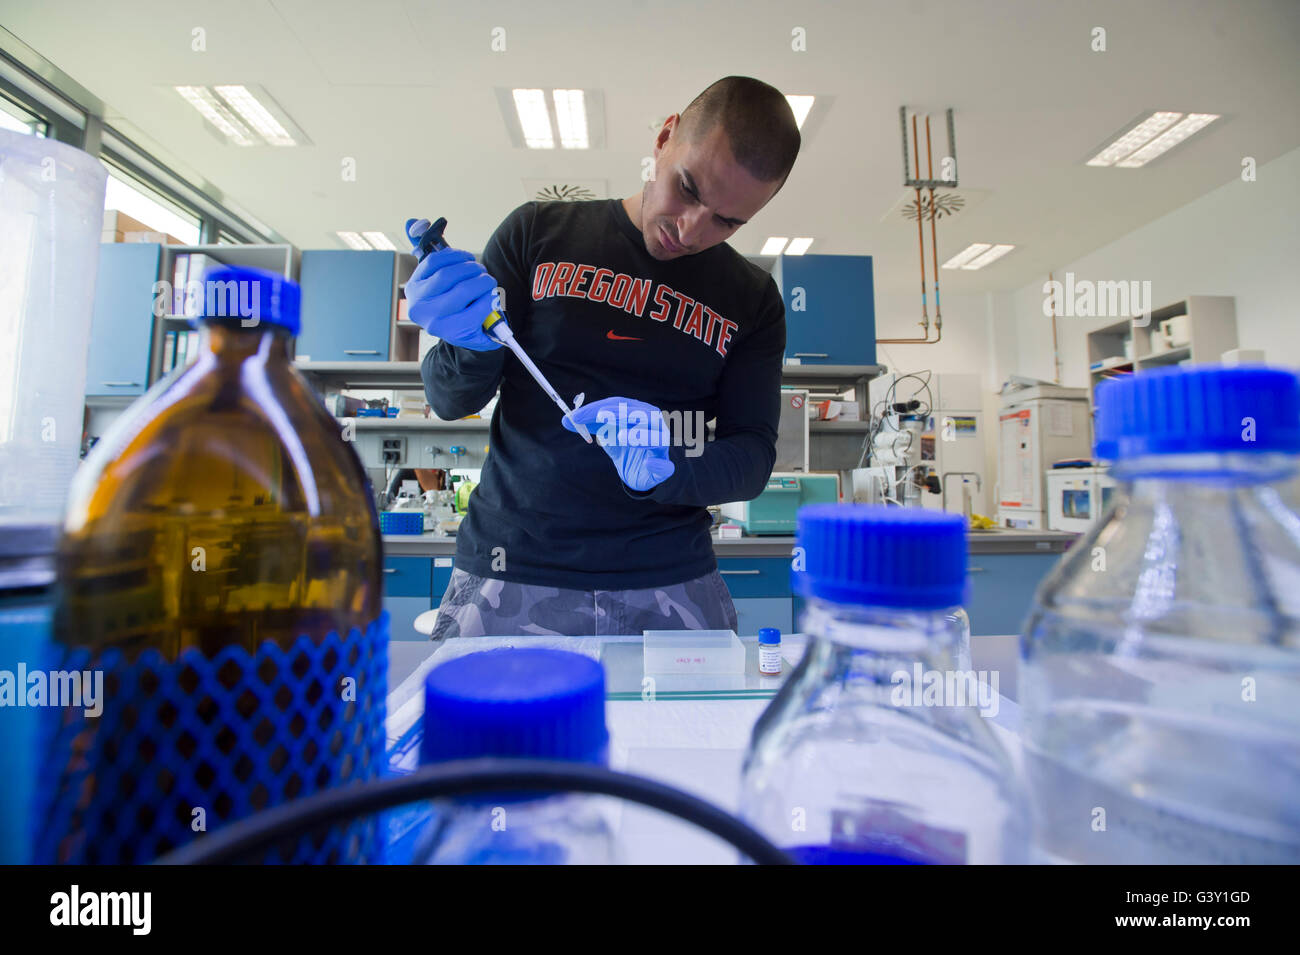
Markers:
point(905, 558)
point(522, 703)
point(769, 635)
point(1198, 410)
point(255, 296)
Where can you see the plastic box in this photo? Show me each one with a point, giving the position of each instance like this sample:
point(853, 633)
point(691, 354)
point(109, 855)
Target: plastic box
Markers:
point(693, 652)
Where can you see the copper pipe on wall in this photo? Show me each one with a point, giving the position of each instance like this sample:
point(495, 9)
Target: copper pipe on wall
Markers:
point(920, 227)
point(925, 339)
point(934, 242)
point(1056, 352)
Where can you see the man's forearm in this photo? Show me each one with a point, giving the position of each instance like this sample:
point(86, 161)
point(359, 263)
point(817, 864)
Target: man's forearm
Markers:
point(734, 468)
point(460, 381)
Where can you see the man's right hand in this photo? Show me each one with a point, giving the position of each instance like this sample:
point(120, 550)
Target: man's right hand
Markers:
point(450, 295)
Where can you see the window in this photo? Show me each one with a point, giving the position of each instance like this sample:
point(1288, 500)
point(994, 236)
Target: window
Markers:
point(154, 210)
point(19, 120)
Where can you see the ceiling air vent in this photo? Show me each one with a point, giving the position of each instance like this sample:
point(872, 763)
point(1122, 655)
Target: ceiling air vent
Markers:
point(573, 190)
point(945, 204)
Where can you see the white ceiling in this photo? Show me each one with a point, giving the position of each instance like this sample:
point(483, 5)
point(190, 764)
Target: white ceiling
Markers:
point(406, 89)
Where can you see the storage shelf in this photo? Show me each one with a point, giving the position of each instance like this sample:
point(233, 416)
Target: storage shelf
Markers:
point(364, 374)
point(1170, 357)
point(840, 427)
point(848, 375)
point(421, 424)
point(406, 374)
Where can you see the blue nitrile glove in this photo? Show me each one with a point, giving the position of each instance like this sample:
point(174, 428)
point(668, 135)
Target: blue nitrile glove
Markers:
point(449, 295)
point(634, 434)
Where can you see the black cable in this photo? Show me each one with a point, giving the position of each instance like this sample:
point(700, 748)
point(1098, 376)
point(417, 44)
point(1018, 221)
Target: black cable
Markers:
point(251, 837)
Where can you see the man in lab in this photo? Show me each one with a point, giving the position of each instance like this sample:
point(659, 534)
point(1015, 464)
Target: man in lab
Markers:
point(641, 306)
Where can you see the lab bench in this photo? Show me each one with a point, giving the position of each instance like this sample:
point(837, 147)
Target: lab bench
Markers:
point(1005, 569)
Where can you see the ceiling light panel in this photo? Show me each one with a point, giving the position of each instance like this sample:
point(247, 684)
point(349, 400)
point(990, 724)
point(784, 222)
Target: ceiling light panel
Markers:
point(218, 114)
point(353, 240)
point(1138, 136)
point(966, 254)
point(987, 257)
point(253, 112)
point(379, 241)
point(798, 246)
point(530, 106)
point(1189, 124)
point(571, 118)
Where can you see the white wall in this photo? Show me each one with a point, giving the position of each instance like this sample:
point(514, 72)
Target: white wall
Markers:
point(1242, 240)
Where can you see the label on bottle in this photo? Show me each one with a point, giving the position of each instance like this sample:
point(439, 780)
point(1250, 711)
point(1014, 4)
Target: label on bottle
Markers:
point(769, 659)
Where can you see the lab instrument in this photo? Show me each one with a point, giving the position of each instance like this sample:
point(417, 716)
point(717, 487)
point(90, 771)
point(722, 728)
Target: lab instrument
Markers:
point(1038, 425)
point(774, 510)
point(1077, 498)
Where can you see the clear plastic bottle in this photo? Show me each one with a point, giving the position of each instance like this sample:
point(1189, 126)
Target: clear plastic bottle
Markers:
point(855, 761)
point(525, 704)
point(1160, 675)
point(220, 564)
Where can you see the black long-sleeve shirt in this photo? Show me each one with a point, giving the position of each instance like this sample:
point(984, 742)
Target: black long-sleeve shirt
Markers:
point(703, 333)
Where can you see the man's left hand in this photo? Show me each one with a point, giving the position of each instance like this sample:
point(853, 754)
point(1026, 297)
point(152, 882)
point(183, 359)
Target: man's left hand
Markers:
point(634, 435)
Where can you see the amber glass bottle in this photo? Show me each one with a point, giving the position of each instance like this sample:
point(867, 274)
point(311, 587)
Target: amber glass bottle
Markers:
point(220, 564)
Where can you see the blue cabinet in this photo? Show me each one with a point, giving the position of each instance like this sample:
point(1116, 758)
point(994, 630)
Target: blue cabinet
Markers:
point(442, 568)
point(407, 594)
point(1002, 589)
point(760, 589)
point(402, 612)
point(407, 577)
point(122, 322)
point(756, 576)
point(347, 305)
point(754, 613)
point(830, 308)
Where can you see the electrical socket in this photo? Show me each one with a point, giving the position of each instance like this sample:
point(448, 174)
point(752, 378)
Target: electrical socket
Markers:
point(393, 451)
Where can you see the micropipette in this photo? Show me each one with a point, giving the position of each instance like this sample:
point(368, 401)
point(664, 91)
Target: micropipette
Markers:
point(497, 327)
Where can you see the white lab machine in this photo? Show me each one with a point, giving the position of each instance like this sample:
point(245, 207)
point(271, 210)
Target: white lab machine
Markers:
point(1077, 497)
point(942, 446)
point(1038, 425)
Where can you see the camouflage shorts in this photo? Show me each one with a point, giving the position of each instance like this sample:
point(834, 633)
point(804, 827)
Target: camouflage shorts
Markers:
point(484, 606)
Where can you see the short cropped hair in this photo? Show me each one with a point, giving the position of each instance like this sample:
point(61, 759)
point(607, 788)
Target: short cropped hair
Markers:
point(758, 122)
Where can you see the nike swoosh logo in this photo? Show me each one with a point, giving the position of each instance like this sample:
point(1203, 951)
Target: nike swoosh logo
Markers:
point(620, 338)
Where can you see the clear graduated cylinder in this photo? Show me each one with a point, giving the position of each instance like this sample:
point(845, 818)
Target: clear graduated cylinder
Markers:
point(854, 763)
point(1160, 677)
